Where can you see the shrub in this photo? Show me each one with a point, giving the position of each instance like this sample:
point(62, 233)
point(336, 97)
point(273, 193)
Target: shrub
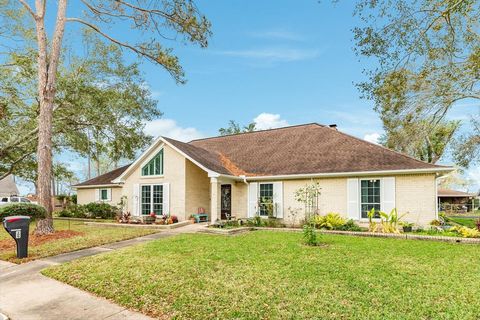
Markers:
point(65, 213)
point(331, 221)
point(350, 225)
point(309, 235)
point(435, 223)
point(100, 210)
point(22, 209)
point(466, 232)
point(273, 223)
point(477, 224)
point(256, 221)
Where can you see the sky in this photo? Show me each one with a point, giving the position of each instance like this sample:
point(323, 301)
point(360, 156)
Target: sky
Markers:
point(275, 63)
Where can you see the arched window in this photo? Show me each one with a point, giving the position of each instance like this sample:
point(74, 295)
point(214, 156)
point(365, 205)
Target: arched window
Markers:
point(155, 166)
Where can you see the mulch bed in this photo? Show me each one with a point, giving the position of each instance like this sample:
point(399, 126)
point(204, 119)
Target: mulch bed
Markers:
point(35, 240)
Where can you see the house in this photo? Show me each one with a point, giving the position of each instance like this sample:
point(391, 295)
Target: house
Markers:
point(234, 175)
point(8, 187)
point(454, 201)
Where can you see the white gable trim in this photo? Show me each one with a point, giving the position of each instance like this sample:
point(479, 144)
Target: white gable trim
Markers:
point(146, 154)
point(152, 155)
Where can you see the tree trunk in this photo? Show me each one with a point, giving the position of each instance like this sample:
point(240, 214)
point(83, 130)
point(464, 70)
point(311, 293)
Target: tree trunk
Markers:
point(47, 72)
point(44, 226)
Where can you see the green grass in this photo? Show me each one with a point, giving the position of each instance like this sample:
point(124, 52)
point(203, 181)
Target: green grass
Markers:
point(272, 275)
point(468, 222)
point(91, 236)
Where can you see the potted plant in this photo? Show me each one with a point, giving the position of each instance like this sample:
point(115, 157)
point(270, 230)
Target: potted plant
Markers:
point(150, 218)
point(192, 218)
point(174, 219)
point(407, 226)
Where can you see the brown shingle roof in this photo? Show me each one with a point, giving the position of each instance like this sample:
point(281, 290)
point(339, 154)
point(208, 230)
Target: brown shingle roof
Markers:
point(210, 160)
point(104, 178)
point(305, 149)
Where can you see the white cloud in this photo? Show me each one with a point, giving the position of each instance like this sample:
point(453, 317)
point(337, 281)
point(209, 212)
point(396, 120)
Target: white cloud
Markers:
point(274, 54)
point(278, 34)
point(269, 121)
point(372, 137)
point(170, 129)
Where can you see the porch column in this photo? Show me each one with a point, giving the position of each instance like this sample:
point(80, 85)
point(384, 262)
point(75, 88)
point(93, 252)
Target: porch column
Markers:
point(213, 199)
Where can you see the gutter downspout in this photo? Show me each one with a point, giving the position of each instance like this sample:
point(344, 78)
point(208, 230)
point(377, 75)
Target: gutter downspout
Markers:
point(244, 178)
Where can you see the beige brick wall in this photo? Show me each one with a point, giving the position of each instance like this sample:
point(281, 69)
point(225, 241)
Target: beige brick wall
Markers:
point(333, 198)
point(197, 189)
point(239, 199)
point(85, 196)
point(415, 196)
point(174, 173)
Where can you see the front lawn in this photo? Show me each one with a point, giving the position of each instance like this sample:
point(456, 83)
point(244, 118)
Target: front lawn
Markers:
point(272, 275)
point(69, 236)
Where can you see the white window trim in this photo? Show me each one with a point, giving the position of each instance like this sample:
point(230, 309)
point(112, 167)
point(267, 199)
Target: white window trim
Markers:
point(151, 197)
point(144, 163)
point(258, 198)
point(100, 195)
point(153, 177)
point(362, 219)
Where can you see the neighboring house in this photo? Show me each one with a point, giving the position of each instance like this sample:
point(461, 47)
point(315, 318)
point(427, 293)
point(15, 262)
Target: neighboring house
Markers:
point(8, 187)
point(454, 201)
point(232, 175)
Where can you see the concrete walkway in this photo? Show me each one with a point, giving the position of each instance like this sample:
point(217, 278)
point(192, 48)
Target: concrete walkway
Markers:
point(26, 294)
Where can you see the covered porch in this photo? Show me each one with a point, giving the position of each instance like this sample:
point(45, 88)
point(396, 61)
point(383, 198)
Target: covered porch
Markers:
point(214, 197)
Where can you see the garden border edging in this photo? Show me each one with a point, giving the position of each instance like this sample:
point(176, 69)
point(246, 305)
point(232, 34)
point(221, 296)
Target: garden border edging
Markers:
point(383, 235)
point(147, 226)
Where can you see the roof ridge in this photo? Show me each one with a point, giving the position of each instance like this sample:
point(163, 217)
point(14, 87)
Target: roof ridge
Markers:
point(388, 149)
point(258, 131)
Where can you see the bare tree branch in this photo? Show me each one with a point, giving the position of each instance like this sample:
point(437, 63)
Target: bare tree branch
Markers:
point(144, 53)
point(29, 9)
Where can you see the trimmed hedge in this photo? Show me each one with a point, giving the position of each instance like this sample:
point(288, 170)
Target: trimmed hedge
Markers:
point(91, 210)
point(22, 209)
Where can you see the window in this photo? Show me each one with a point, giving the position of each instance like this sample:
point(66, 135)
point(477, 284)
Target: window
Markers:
point(370, 196)
point(24, 200)
point(4, 200)
point(13, 199)
point(152, 199)
point(104, 194)
point(155, 166)
point(265, 198)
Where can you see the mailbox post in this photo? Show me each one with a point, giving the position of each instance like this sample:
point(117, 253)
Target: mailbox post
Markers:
point(17, 227)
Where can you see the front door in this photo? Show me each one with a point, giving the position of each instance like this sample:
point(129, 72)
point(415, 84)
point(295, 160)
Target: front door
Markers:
point(226, 201)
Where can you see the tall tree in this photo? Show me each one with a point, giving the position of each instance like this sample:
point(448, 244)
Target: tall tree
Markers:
point(420, 139)
point(234, 128)
point(98, 93)
point(149, 21)
point(428, 58)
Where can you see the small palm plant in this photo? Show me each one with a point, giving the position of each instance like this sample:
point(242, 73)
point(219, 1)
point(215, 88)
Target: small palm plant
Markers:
point(390, 221)
point(372, 225)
